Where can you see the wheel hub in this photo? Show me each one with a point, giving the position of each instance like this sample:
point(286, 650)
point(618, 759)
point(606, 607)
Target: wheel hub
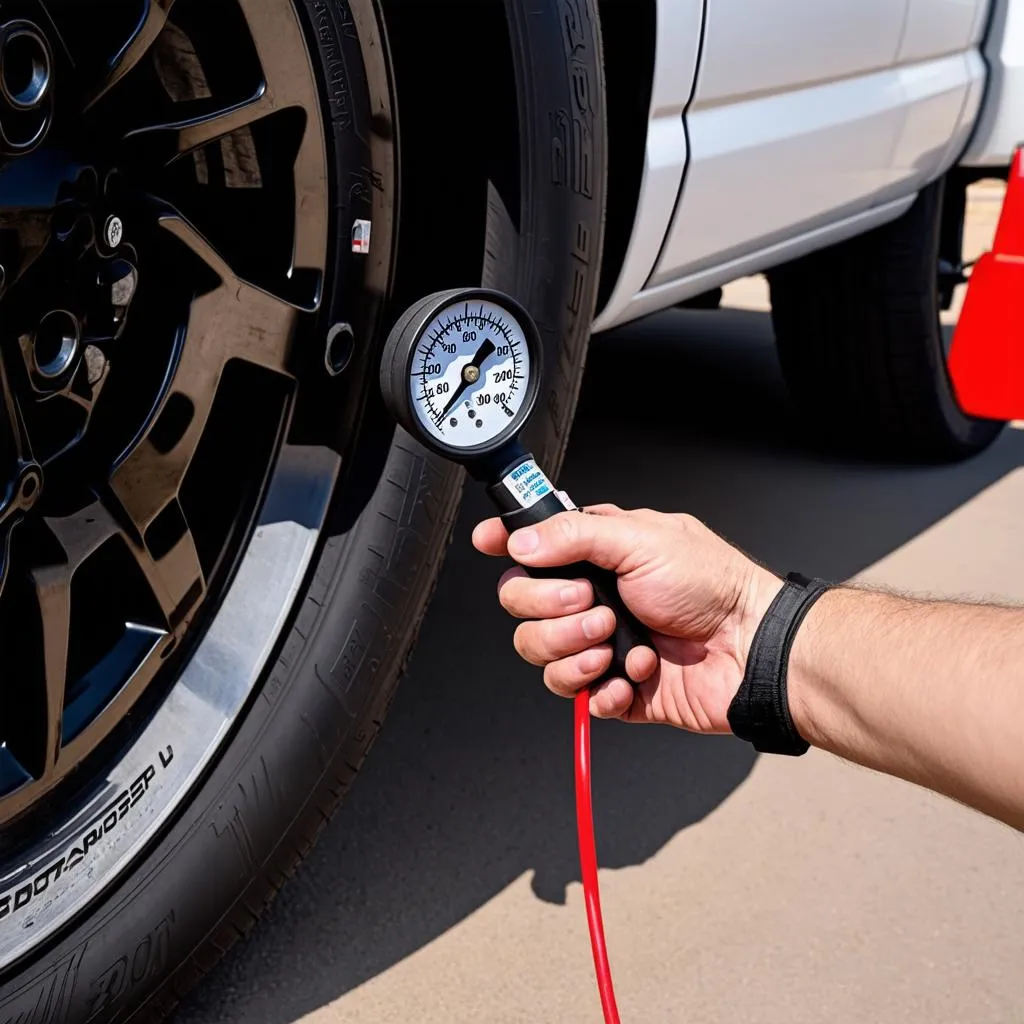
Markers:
point(71, 275)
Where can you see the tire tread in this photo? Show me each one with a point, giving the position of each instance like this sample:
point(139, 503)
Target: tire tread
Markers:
point(860, 343)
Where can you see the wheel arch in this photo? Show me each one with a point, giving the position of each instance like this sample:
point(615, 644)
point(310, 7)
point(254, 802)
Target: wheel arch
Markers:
point(629, 34)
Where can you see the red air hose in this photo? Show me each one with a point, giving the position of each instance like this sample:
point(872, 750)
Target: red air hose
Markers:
point(588, 857)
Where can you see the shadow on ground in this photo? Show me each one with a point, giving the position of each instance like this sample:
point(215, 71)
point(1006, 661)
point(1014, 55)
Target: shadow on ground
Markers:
point(469, 786)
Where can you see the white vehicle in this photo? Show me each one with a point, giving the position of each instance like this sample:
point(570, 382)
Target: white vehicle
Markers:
point(829, 144)
point(215, 550)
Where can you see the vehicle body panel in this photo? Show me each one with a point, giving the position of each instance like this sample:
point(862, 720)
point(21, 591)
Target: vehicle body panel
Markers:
point(1000, 129)
point(752, 48)
point(935, 28)
point(810, 121)
point(651, 300)
point(679, 35)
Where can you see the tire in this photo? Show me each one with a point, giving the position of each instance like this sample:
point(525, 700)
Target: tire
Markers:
point(209, 875)
point(861, 344)
point(533, 205)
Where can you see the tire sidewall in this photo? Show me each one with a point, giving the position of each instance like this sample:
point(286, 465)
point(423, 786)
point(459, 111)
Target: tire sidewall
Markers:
point(968, 434)
point(553, 265)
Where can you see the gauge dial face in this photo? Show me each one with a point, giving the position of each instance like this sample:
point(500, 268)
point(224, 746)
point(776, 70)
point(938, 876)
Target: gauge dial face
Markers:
point(469, 374)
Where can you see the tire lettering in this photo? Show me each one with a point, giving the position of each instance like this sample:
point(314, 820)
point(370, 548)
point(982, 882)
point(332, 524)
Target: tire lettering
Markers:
point(105, 822)
point(575, 40)
point(92, 837)
point(148, 960)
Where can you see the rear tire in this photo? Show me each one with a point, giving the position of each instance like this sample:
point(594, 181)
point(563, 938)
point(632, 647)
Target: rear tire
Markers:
point(862, 347)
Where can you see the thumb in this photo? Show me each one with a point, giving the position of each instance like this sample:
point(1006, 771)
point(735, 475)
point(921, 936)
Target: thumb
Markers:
point(607, 540)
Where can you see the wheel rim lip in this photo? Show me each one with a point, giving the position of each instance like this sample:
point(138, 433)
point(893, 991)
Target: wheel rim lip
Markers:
point(201, 707)
point(193, 720)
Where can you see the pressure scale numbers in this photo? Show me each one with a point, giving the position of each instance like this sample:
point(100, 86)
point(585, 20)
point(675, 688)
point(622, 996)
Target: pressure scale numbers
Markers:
point(469, 373)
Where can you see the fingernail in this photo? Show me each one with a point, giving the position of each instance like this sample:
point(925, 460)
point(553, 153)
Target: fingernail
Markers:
point(571, 596)
point(591, 661)
point(524, 542)
point(594, 626)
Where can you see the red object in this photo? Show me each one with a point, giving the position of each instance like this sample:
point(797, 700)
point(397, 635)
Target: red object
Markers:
point(986, 361)
point(1009, 239)
point(588, 858)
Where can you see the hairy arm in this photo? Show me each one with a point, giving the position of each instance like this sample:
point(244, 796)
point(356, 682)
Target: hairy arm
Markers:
point(930, 692)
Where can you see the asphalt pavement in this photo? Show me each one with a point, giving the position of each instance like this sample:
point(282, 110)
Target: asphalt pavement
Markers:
point(736, 888)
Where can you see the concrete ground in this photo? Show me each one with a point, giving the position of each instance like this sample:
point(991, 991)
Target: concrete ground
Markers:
point(736, 888)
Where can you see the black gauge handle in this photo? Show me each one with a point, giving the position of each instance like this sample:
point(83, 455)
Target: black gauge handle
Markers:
point(630, 632)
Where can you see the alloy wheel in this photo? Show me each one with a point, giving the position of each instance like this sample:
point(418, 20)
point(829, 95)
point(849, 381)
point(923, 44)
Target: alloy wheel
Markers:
point(164, 218)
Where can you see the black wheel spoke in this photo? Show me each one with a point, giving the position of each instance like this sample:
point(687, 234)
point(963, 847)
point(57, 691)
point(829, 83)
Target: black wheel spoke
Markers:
point(207, 120)
point(275, 34)
point(167, 579)
point(151, 24)
point(144, 490)
point(20, 466)
point(233, 321)
point(17, 436)
point(79, 537)
point(276, 308)
point(40, 745)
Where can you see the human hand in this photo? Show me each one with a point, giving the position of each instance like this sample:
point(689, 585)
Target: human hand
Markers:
point(701, 598)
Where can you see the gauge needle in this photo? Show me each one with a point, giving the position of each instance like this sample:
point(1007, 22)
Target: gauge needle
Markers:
point(470, 375)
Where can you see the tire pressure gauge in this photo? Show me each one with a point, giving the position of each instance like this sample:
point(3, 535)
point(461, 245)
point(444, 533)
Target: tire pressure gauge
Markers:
point(461, 373)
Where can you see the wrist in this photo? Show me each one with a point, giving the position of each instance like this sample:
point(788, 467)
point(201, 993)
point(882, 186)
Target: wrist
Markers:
point(804, 675)
point(759, 591)
point(762, 710)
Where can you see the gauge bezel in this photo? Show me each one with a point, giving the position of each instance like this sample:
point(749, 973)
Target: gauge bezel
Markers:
point(399, 352)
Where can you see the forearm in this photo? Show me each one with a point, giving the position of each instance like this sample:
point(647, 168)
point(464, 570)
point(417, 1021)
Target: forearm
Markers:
point(933, 693)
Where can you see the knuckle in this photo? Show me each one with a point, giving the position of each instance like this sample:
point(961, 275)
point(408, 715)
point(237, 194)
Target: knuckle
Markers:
point(566, 526)
point(687, 524)
point(551, 637)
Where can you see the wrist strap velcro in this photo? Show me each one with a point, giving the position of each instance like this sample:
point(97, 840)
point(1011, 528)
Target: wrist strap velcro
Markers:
point(759, 712)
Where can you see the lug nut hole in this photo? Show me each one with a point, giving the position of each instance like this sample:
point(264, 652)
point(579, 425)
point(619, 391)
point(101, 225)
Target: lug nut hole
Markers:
point(25, 67)
point(56, 344)
point(341, 344)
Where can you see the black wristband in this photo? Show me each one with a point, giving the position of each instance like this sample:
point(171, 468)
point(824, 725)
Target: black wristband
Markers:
point(759, 712)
